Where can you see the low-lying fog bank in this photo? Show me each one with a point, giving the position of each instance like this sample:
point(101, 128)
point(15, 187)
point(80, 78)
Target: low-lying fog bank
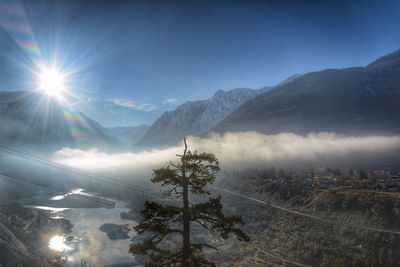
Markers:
point(249, 149)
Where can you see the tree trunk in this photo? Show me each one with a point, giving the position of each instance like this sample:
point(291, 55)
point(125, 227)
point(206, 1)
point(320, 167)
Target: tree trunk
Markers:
point(186, 229)
point(186, 249)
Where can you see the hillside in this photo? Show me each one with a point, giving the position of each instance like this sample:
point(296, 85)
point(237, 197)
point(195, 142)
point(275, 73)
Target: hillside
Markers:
point(362, 100)
point(21, 235)
point(312, 226)
point(195, 117)
point(126, 136)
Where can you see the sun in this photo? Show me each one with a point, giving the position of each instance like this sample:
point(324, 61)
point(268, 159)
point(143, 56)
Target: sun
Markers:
point(51, 83)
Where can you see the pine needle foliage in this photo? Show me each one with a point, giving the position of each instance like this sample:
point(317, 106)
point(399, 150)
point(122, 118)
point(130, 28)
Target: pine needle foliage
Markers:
point(162, 222)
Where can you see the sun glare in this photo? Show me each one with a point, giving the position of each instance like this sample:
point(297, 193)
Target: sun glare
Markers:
point(51, 83)
point(57, 243)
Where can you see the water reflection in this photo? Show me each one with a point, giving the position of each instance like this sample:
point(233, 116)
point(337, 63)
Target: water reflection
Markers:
point(77, 191)
point(57, 243)
point(93, 245)
point(86, 241)
point(52, 209)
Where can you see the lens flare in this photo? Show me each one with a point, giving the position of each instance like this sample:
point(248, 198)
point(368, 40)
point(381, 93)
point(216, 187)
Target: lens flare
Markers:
point(14, 20)
point(80, 129)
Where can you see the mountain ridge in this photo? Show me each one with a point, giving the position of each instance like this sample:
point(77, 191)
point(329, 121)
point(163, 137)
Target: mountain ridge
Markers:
point(358, 100)
point(127, 136)
point(195, 117)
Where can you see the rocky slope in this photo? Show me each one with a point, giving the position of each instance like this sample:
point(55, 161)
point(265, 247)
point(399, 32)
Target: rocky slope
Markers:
point(196, 117)
point(352, 101)
point(330, 237)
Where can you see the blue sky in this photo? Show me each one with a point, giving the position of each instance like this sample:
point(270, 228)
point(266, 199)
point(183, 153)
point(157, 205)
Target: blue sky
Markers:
point(157, 54)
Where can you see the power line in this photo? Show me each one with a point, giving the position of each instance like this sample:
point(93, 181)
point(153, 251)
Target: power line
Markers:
point(90, 198)
point(151, 192)
point(102, 179)
point(78, 172)
point(310, 216)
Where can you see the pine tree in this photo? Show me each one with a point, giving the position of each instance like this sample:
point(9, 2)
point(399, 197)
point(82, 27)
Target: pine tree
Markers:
point(159, 222)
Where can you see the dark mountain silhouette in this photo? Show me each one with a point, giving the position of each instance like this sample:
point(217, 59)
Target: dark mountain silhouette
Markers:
point(361, 100)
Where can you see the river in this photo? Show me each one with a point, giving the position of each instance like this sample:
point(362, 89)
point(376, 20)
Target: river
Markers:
point(86, 242)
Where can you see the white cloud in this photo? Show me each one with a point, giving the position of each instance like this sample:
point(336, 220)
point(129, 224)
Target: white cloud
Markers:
point(132, 104)
point(170, 101)
point(247, 149)
point(96, 160)
point(128, 103)
point(255, 149)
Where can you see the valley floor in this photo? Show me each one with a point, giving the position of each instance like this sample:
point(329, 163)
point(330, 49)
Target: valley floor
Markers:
point(299, 225)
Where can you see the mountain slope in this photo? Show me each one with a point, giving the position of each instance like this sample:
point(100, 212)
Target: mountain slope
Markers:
point(109, 114)
point(195, 117)
point(32, 120)
point(361, 100)
point(127, 136)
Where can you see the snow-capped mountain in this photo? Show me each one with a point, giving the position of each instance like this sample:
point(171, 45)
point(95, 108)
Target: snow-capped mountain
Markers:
point(196, 117)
